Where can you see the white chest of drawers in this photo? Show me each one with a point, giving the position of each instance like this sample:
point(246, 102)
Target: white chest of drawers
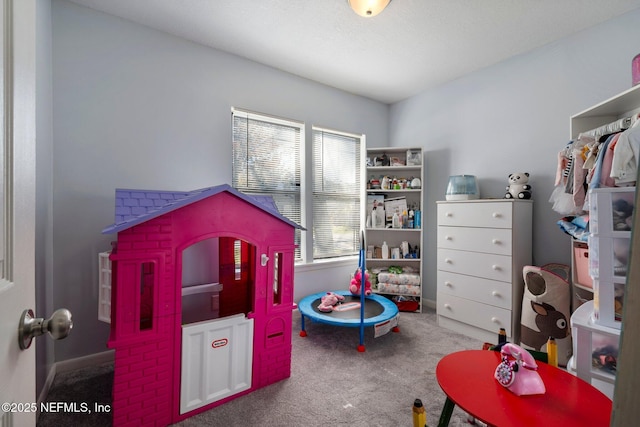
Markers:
point(482, 247)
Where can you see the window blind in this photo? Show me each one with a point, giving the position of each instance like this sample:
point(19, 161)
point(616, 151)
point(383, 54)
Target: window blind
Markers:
point(266, 161)
point(336, 194)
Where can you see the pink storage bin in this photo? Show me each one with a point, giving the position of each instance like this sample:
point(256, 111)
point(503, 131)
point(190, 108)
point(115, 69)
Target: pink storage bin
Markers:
point(581, 259)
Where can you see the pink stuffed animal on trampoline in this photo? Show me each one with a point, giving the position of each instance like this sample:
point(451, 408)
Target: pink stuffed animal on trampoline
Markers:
point(328, 301)
point(356, 283)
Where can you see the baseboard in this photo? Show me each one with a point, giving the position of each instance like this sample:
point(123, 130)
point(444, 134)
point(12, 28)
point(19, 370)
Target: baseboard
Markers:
point(85, 361)
point(429, 303)
point(72, 365)
point(47, 384)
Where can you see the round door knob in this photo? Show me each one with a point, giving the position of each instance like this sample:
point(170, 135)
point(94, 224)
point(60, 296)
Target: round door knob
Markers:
point(58, 326)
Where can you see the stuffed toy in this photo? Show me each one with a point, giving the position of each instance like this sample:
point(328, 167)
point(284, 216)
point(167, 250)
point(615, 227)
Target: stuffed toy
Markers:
point(518, 187)
point(328, 301)
point(356, 283)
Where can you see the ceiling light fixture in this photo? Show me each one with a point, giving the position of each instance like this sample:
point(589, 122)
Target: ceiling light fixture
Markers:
point(368, 8)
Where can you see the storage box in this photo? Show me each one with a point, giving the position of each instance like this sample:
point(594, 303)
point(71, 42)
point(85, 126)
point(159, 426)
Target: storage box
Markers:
point(604, 352)
point(611, 210)
point(413, 158)
point(595, 349)
point(581, 264)
point(608, 257)
point(608, 302)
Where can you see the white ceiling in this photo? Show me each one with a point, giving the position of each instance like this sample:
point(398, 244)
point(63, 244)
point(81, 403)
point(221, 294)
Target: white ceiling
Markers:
point(411, 46)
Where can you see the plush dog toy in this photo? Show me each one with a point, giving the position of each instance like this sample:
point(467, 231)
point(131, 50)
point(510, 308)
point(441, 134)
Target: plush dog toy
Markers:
point(356, 283)
point(328, 301)
point(518, 187)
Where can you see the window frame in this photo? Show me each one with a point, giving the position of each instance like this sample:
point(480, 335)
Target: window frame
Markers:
point(306, 181)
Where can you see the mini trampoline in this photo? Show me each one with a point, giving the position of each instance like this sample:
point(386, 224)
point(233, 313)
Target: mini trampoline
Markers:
point(355, 311)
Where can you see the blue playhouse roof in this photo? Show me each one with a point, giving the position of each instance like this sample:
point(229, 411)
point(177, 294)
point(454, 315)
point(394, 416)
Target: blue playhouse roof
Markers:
point(134, 207)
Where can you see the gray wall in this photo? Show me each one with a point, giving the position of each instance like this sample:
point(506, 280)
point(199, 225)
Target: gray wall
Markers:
point(137, 108)
point(514, 117)
point(44, 158)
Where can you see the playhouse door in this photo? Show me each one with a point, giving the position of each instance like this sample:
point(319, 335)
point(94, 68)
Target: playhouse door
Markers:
point(217, 357)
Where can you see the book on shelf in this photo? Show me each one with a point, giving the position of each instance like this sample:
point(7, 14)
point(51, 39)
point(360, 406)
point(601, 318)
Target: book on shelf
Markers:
point(374, 200)
point(397, 204)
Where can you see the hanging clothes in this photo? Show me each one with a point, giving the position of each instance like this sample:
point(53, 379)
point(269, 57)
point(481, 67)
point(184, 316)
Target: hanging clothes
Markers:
point(600, 176)
point(562, 195)
point(624, 167)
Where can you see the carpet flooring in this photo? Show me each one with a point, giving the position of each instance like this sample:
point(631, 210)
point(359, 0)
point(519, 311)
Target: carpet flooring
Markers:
point(330, 384)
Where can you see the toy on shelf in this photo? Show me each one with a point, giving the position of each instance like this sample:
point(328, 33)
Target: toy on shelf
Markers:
point(356, 283)
point(328, 301)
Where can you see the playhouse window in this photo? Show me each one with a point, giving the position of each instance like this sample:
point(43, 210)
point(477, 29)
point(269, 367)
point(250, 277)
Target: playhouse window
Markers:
point(237, 259)
point(147, 281)
point(277, 278)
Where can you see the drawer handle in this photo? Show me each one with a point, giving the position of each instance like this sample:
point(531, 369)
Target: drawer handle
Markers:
point(448, 238)
point(495, 320)
point(495, 293)
point(449, 214)
point(447, 306)
point(496, 242)
point(448, 283)
point(448, 260)
point(496, 267)
point(496, 215)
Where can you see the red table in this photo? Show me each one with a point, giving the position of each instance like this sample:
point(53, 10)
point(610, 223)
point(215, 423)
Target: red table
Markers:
point(466, 377)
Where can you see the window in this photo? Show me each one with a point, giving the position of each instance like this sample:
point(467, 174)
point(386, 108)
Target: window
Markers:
point(336, 194)
point(266, 161)
point(147, 291)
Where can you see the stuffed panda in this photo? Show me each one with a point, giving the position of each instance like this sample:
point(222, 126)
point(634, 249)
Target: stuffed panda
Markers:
point(518, 187)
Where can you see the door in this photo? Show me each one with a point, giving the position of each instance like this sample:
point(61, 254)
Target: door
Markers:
point(17, 208)
point(217, 357)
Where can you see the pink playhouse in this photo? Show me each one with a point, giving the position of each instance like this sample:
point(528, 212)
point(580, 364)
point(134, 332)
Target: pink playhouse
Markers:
point(201, 302)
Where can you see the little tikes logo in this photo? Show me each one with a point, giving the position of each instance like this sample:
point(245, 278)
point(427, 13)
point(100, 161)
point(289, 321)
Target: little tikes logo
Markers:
point(219, 343)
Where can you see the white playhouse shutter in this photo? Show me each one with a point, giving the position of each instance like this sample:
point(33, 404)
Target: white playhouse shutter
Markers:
point(104, 287)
